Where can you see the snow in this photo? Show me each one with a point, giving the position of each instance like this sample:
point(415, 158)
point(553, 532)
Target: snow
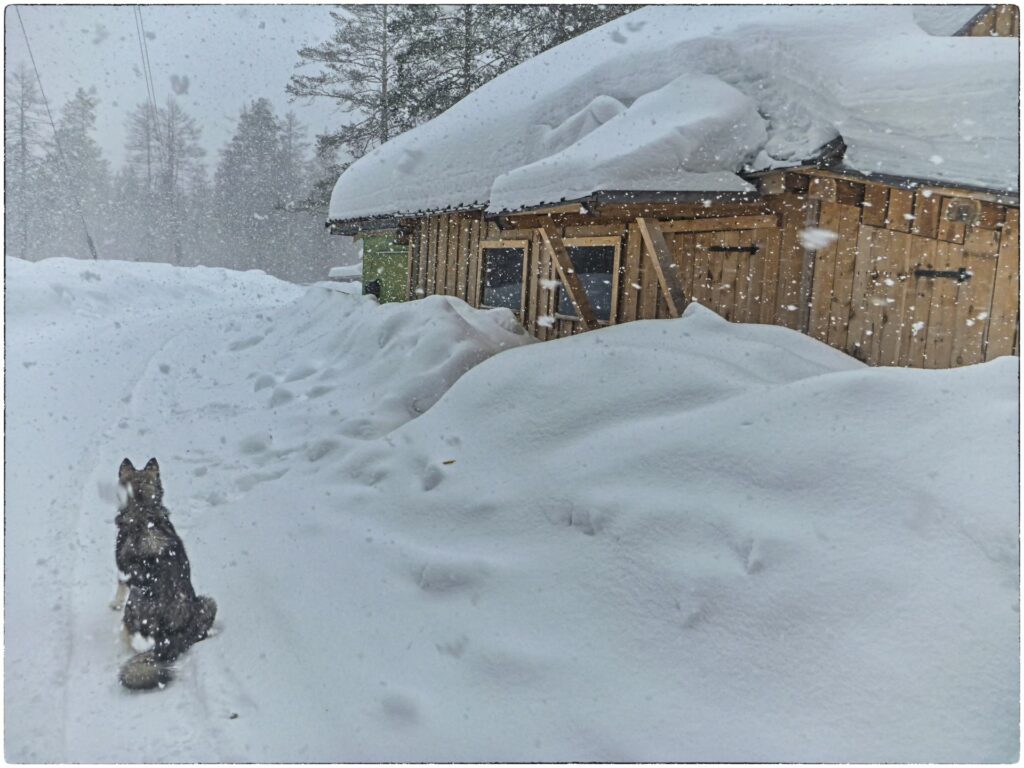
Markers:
point(346, 273)
point(816, 238)
point(682, 98)
point(431, 539)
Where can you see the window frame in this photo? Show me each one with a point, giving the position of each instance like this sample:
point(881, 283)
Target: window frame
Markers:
point(614, 241)
point(517, 244)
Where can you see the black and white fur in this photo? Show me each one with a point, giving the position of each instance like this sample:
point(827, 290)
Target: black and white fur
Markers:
point(161, 606)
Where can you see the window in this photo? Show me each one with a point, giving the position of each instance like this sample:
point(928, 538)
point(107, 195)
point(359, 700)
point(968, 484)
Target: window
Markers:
point(501, 272)
point(596, 264)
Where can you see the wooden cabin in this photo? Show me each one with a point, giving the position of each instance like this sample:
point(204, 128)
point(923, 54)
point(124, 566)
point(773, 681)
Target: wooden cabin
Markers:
point(893, 270)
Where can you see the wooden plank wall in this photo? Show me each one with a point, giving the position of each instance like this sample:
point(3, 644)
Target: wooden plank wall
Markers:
point(862, 290)
point(998, 21)
point(875, 293)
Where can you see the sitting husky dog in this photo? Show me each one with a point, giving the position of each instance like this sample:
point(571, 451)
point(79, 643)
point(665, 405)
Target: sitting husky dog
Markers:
point(162, 606)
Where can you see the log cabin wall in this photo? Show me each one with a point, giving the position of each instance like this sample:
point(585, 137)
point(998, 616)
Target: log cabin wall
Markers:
point(924, 277)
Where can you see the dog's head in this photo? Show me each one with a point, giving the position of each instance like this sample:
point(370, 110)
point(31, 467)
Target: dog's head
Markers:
point(141, 485)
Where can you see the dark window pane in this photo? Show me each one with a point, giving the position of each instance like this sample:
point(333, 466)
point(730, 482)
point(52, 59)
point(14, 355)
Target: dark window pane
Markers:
point(503, 277)
point(593, 265)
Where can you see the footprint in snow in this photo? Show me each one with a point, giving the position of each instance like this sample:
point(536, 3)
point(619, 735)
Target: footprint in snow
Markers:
point(300, 372)
point(280, 397)
point(400, 709)
point(432, 477)
point(254, 444)
point(264, 381)
point(250, 341)
point(248, 482)
point(454, 648)
point(447, 577)
point(751, 555)
point(320, 449)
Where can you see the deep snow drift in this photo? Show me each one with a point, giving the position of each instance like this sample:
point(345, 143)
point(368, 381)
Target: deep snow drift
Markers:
point(679, 540)
point(682, 98)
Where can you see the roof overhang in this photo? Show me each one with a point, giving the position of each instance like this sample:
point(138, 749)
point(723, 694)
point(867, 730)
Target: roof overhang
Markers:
point(828, 160)
point(354, 227)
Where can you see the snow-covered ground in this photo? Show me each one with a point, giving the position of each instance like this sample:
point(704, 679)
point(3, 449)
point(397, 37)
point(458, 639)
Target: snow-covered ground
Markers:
point(681, 540)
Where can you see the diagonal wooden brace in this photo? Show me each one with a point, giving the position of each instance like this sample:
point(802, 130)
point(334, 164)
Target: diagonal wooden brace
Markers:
point(570, 280)
point(661, 260)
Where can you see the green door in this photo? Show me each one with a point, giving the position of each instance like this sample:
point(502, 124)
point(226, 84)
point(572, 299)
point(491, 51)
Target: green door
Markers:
point(387, 262)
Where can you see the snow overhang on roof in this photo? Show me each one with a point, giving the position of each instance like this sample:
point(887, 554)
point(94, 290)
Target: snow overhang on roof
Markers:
point(688, 98)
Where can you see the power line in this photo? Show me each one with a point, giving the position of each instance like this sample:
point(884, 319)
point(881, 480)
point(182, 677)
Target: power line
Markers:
point(147, 74)
point(56, 138)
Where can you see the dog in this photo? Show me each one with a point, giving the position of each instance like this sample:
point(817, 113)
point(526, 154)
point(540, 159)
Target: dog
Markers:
point(161, 606)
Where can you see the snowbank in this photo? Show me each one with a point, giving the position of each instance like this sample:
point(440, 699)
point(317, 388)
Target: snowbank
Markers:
point(680, 540)
point(683, 98)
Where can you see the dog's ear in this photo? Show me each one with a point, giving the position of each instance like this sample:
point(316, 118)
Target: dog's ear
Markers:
point(126, 470)
point(152, 466)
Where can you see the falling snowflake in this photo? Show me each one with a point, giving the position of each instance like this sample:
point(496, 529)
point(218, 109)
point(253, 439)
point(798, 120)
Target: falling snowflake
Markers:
point(815, 238)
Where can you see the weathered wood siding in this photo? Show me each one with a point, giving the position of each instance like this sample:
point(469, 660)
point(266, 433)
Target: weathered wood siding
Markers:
point(925, 277)
point(905, 284)
point(997, 21)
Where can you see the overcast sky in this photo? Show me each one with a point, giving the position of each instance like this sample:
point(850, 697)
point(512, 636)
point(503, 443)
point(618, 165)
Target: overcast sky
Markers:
point(230, 54)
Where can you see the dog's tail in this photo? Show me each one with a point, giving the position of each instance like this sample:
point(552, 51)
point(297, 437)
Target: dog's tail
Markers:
point(152, 669)
point(145, 671)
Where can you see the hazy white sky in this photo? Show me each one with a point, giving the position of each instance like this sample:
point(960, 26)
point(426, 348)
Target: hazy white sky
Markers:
point(230, 54)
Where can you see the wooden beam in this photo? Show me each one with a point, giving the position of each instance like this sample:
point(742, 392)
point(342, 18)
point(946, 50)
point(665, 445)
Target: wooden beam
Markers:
point(1006, 292)
point(938, 188)
point(661, 261)
point(771, 183)
point(719, 224)
point(812, 211)
point(698, 210)
point(555, 248)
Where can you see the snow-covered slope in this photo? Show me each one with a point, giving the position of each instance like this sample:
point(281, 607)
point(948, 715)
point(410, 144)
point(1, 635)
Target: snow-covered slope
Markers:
point(683, 97)
point(680, 540)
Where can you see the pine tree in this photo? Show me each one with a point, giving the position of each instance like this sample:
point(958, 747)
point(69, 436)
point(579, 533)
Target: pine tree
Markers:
point(450, 51)
point(75, 179)
point(23, 148)
point(131, 234)
point(178, 136)
point(358, 71)
point(246, 185)
point(163, 149)
point(292, 183)
point(142, 148)
point(545, 26)
point(324, 171)
point(199, 239)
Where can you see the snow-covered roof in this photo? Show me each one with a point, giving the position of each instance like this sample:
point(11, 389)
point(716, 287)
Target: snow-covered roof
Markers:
point(682, 98)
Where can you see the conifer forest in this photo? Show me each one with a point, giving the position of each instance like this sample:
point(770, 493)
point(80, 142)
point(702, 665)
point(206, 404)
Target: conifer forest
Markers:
point(258, 201)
